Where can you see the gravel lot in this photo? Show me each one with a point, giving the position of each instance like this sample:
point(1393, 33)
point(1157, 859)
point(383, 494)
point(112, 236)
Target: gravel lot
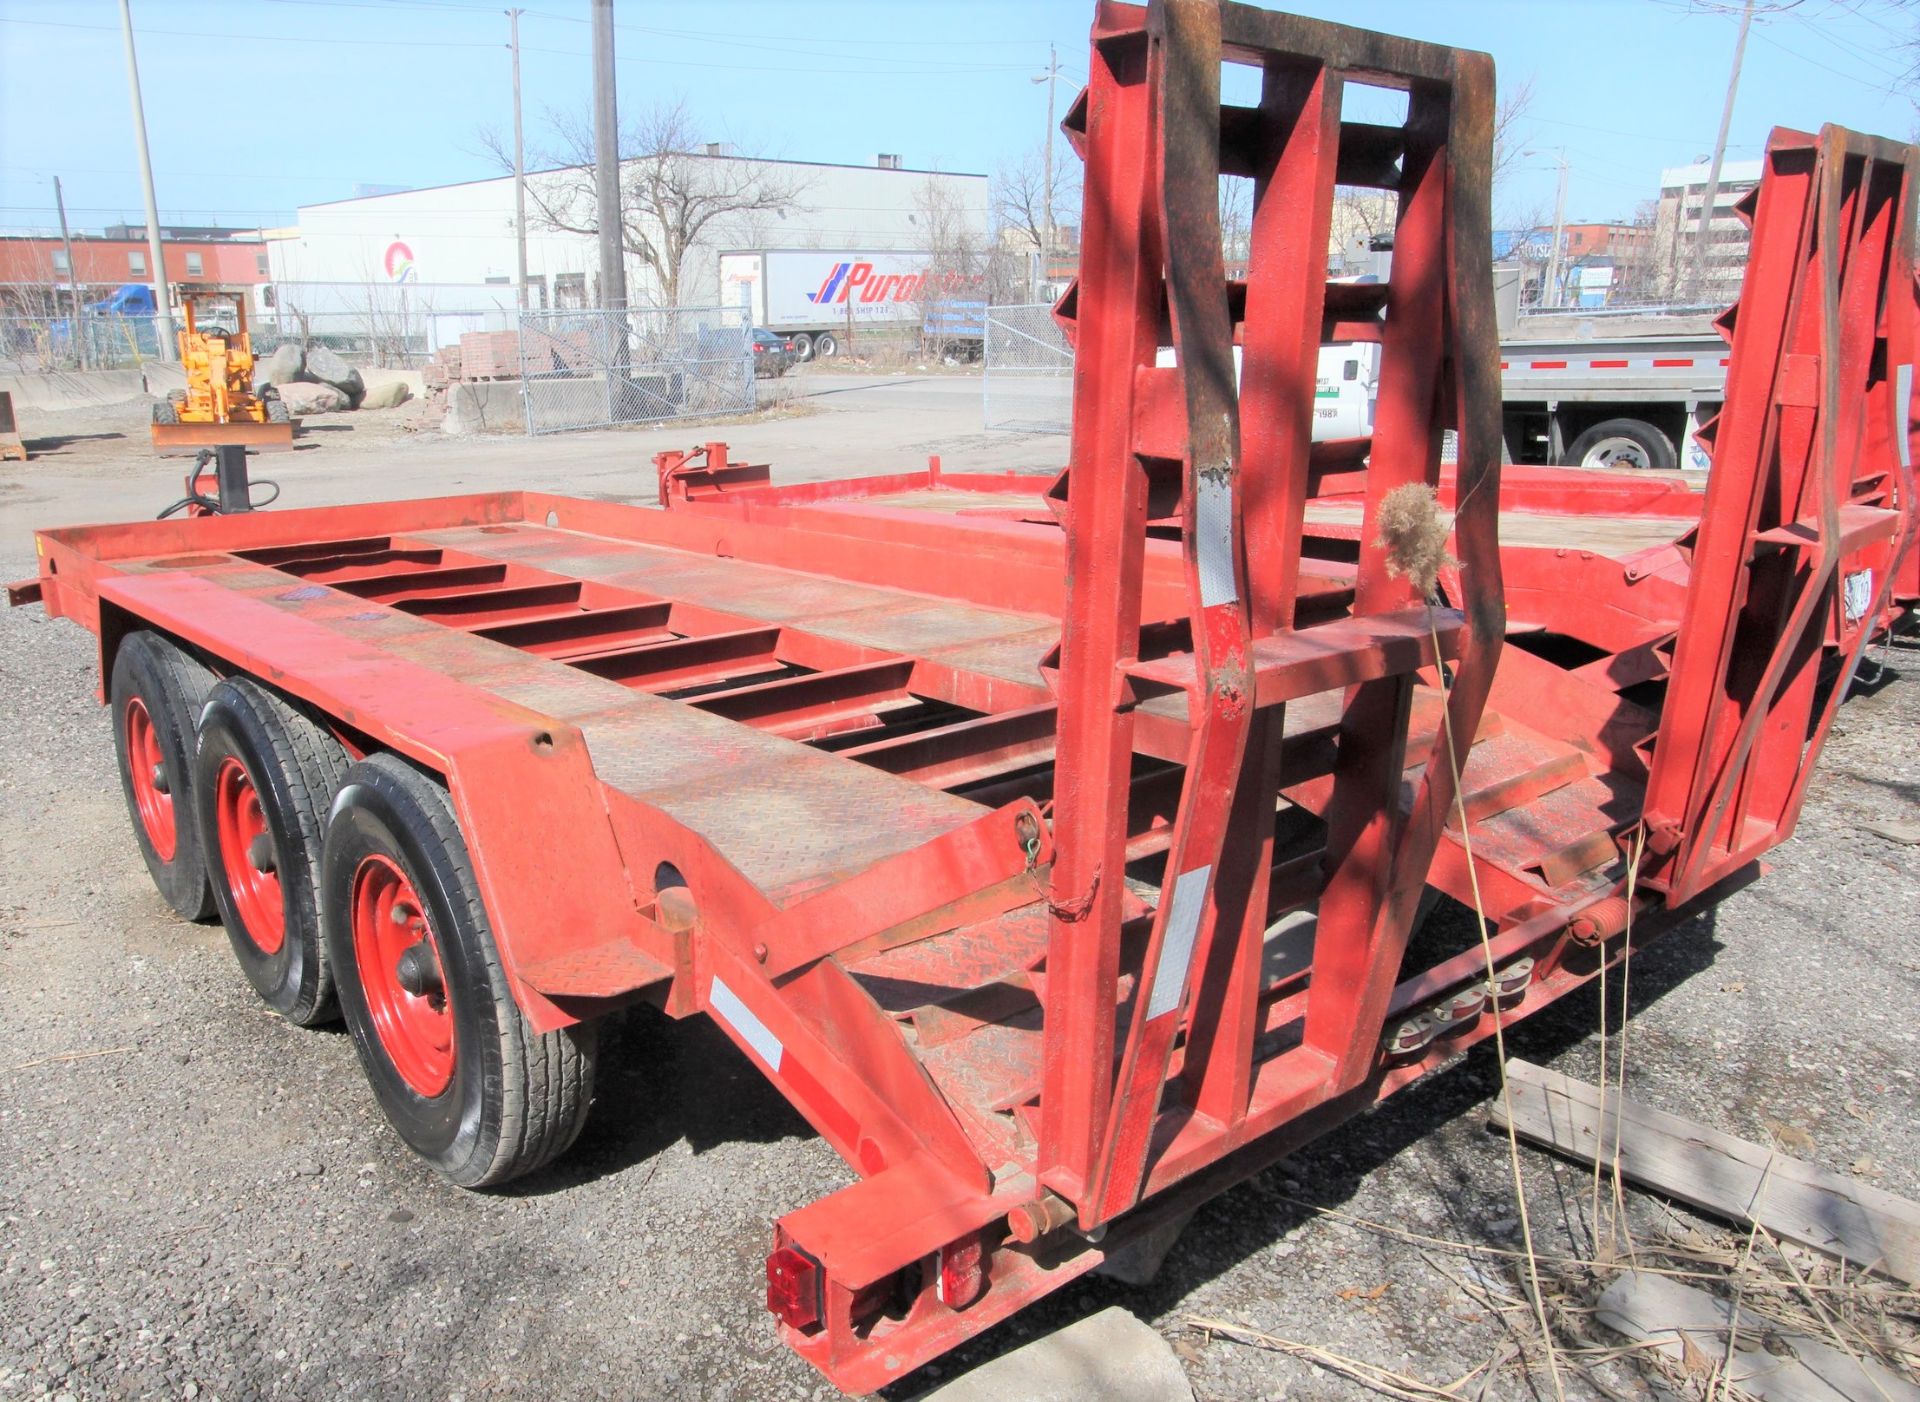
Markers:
point(197, 1199)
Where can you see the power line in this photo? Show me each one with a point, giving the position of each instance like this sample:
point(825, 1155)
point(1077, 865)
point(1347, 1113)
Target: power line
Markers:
point(259, 38)
point(894, 68)
point(1667, 137)
point(1768, 39)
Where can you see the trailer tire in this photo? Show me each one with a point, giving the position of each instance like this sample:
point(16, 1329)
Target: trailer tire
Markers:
point(802, 346)
point(824, 346)
point(263, 779)
point(1633, 444)
point(454, 1065)
point(155, 693)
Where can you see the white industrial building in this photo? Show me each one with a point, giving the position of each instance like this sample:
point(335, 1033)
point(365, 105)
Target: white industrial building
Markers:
point(1676, 236)
point(462, 236)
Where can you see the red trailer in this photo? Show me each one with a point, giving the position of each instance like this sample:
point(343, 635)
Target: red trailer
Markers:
point(1054, 846)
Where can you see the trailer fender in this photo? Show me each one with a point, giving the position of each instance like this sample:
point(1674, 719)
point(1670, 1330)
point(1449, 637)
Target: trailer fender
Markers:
point(519, 780)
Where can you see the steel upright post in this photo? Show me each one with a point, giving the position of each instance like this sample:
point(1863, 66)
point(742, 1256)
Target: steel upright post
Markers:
point(519, 168)
point(163, 304)
point(73, 275)
point(606, 160)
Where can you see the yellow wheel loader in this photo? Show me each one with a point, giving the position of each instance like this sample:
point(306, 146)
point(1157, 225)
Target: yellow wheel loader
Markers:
point(218, 407)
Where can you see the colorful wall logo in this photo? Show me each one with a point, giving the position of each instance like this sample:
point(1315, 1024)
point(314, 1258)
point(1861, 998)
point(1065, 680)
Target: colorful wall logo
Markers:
point(399, 262)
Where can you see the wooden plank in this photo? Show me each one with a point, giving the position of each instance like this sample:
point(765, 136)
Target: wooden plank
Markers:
point(1691, 1326)
point(1718, 1173)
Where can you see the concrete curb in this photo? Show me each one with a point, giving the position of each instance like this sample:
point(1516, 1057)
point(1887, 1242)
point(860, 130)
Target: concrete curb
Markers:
point(59, 389)
point(1106, 1357)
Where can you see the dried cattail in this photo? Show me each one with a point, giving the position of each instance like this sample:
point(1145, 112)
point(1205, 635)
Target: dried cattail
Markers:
point(1414, 534)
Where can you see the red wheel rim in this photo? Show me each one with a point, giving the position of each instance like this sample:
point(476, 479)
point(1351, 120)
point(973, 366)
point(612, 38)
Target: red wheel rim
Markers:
point(249, 857)
point(146, 767)
point(415, 1028)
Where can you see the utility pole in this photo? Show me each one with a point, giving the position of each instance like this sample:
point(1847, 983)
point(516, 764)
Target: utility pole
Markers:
point(1702, 230)
point(163, 304)
point(519, 165)
point(1552, 289)
point(73, 275)
point(1052, 79)
point(606, 160)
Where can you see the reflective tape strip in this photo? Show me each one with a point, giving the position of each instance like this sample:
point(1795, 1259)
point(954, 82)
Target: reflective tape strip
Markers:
point(1903, 407)
point(1176, 946)
point(737, 1015)
point(1213, 539)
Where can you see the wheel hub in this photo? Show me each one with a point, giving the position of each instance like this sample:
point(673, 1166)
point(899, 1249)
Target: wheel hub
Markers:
point(248, 858)
point(401, 976)
point(418, 971)
point(147, 777)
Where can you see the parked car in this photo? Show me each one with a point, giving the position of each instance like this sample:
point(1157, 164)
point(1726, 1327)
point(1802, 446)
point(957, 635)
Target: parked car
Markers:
point(773, 354)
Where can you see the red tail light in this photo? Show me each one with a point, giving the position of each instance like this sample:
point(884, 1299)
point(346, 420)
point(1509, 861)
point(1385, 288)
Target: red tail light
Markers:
point(963, 1272)
point(794, 1282)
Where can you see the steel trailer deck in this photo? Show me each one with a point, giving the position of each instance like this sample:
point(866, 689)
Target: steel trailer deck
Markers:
point(1054, 845)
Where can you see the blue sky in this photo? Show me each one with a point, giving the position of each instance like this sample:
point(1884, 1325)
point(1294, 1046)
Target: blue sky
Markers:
point(256, 106)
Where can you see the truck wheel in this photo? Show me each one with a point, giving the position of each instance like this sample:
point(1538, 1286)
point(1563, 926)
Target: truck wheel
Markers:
point(802, 346)
point(824, 345)
point(155, 692)
point(277, 410)
point(261, 785)
point(166, 413)
point(468, 1084)
point(1628, 443)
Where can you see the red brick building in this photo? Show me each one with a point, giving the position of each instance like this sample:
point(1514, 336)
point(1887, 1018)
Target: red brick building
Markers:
point(121, 256)
point(1622, 242)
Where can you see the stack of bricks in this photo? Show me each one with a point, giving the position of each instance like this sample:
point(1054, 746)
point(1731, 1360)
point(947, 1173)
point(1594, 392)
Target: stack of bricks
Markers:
point(443, 369)
point(489, 355)
point(556, 352)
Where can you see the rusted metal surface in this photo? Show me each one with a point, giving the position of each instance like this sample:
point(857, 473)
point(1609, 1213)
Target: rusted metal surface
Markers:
point(1053, 845)
point(1810, 508)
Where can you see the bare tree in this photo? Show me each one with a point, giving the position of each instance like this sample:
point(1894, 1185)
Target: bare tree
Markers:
point(1532, 240)
point(1636, 273)
point(957, 255)
point(1509, 113)
point(675, 194)
point(1236, 221)
point(1020, 198)
point(38, 317)
point(1363, 215)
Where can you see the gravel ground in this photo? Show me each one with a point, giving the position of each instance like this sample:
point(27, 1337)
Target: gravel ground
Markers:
point(197, 1199)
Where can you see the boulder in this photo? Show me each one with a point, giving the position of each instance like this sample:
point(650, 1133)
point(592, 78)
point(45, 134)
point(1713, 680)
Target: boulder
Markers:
point(325, 367)
point(390, 395)
point(302, 398)
point(283, 367)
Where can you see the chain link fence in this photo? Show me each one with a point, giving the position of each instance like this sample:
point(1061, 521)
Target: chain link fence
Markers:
point(51, 343)
point(387, 339)
point(590, 369)
point(1026, 371)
